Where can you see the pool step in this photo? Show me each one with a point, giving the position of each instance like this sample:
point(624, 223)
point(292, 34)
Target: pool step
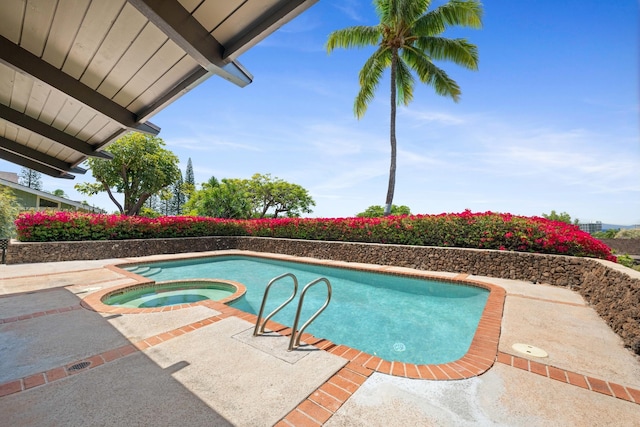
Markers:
point(152, 271)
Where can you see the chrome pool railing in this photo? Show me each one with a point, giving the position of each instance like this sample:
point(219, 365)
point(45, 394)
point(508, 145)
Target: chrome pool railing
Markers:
point(259, 329)
point(296, 334)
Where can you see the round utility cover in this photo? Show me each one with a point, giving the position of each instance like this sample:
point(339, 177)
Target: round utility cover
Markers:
point(529, 350)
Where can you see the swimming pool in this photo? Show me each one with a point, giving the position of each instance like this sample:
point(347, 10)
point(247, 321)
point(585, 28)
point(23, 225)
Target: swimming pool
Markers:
point(393, 317)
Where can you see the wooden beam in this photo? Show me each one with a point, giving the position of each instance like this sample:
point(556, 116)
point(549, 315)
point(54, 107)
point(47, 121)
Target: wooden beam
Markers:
point(289, 10)
point(23, 150)
point(31, 164)
point(193, 80)
point(50, 132)
point(27, 63)
point(185, 31)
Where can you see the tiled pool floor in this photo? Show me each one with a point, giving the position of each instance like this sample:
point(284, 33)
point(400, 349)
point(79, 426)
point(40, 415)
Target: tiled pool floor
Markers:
point(199, 365)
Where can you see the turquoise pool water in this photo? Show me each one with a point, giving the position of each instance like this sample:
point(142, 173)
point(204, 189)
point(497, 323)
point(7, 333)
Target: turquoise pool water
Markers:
point(166, 294)
point(396, 318)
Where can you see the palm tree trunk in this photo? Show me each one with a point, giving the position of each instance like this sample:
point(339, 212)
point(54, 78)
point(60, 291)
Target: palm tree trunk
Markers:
point(392, 136)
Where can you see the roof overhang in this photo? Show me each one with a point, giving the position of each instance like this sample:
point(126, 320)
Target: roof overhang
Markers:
point(76, 76)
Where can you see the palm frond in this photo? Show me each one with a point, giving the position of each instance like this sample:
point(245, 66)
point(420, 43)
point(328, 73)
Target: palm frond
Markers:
point(458, 51)
point(384, 10)
point(404, 83)
point(369, 78)
point(441, 82)
point(430, 74)
point(417, 61)
point(462, 13)
point(409, 11)
point(400, 13)
point(357, 36)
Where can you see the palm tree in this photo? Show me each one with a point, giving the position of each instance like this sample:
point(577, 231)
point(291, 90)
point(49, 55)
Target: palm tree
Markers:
point(408, 39)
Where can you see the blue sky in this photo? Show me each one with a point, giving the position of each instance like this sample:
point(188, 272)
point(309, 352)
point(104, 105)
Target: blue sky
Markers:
point(549, 122)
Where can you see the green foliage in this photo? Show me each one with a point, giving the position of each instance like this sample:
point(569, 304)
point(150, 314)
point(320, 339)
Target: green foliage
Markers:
point(274, 196)
point(59, 193)
point(30, 178)
point(140, 168)
point(606, 234)
point(148, 212)
point(407, 41)
point(629, 233)
point(225, 199)
point(189, 185)
point(562, 217)
point(178, 196)
point(626, 260)
point(259, 197)
point(375, 211)
point(9, 210)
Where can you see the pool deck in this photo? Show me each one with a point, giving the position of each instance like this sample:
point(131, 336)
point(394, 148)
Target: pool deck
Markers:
point(62, 363)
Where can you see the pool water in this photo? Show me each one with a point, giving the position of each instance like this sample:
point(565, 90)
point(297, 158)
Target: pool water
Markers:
point(163, 295)
point(393, 317)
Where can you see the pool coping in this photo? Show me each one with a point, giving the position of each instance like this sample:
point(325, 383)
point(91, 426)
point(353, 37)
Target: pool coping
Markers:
point(479, 358)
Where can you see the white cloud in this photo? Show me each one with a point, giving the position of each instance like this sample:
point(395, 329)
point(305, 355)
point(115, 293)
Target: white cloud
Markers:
point(424, 117)
point(351, 8)
point(208, 143)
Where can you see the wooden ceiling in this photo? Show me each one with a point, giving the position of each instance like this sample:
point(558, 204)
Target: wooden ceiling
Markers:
point(75, 75)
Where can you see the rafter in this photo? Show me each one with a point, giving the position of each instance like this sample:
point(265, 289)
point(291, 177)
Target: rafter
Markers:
point(197, 77)
point(50, 132)
point(25, 62)
point(185, 31)
point(32, 164)
point(23, 150)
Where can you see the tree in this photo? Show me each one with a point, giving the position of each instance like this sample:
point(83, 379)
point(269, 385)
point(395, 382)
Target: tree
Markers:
point(225, 199)
point(260, 196)
point(9, 210)
point(30, 178)
point(408, 40)
point(151, 207)
point(189, 180)
point(278, 196)
point(562, 217)
point(140, 168)
point(376, 211)
point(59, 193)
point(178, 197)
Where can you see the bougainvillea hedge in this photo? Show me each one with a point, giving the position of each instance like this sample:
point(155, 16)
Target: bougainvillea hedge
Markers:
point(486, 230)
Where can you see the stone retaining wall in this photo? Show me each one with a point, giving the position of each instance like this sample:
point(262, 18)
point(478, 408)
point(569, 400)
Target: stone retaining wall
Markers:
point(613, 290)
point(623, 246)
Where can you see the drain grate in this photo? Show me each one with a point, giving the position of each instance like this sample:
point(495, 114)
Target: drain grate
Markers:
point(79, 366)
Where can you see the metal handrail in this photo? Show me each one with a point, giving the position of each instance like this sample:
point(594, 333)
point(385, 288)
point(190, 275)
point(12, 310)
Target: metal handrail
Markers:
point(259, 329)
point(295, 334)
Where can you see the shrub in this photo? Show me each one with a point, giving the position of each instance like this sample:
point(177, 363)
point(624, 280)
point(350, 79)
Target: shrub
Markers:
point(626, 260)
point(629, 233)
point(9, 209)
point(465, 230)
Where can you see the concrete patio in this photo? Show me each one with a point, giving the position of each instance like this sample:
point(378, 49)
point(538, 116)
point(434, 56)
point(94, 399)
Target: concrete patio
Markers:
point(64, 365)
